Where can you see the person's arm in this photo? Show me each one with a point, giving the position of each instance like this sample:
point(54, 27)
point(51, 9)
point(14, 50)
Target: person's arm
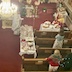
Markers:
point(49, 58)
point(57, 36)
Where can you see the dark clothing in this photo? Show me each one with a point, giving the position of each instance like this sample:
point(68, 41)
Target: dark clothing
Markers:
point(67, 63)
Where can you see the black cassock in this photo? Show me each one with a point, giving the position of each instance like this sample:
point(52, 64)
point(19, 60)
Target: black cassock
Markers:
point(67, 62)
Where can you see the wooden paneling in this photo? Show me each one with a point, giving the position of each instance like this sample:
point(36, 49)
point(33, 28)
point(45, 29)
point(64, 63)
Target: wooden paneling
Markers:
point(38, 64)
point(48, 42)
point(43, 52)
point(68, 43)
point(50, 34)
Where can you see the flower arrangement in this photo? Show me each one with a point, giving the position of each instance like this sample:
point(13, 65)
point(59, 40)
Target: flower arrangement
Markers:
point(44, 9)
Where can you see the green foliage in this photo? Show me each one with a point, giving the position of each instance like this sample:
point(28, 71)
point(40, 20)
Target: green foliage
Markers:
point(44, 9)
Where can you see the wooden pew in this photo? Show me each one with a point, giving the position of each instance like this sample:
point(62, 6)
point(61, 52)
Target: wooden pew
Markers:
point(44, 42)
point(50, 34)
point(48, 42)
point(43, 52)
point(67, 43)
point(38, 64)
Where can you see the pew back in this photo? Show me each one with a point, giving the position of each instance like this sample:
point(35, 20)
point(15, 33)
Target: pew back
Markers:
point(44, 42)
point(50, 34)
point(43, 52)
point(67, 43)
point(38, 64)
point(48, 42)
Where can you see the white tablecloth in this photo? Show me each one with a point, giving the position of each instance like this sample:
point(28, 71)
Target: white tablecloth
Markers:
point(24, 47)
point(50, 28)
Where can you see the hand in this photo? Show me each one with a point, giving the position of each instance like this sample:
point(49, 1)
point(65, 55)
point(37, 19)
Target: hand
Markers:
point(45, 58)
